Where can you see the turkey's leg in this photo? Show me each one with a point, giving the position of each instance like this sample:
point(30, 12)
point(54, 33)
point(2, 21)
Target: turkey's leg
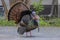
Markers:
point(30, 34)
point(26, 34)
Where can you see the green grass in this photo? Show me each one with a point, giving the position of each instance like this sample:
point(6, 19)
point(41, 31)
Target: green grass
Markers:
point(43, 22)
point(55, 22)
point(51, 22)
point(6, 23)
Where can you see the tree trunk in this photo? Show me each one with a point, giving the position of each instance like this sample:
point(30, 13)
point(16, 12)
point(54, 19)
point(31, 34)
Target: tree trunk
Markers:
point(27, 2)
point(5, 8)
point(55, 12)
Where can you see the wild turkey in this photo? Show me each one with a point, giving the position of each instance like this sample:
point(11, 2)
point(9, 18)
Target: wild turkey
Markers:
point(28, 25)
point(19, 12)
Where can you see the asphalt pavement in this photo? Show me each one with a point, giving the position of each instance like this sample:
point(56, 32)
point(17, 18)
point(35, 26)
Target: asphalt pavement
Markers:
point(45, 33)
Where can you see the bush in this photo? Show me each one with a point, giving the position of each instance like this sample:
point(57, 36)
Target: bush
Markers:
point(38, 6)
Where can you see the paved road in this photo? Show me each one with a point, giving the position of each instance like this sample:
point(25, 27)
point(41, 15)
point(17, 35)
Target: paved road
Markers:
point(46, 33)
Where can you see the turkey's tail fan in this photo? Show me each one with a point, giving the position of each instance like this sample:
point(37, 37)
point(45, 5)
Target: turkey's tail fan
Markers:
point(15, 12)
